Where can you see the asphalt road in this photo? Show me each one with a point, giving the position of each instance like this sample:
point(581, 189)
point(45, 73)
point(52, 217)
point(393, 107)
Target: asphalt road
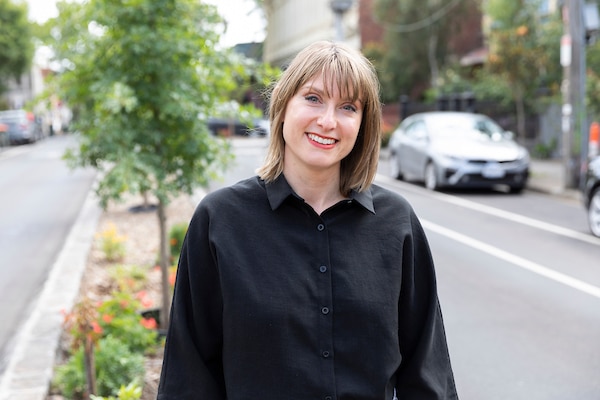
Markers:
point(519, 284)
point(41, 197)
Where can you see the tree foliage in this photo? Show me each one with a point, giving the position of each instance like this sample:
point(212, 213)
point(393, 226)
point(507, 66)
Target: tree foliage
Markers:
point(138, 77)
point(16, 46)
point(523, 51)
point(593, 81)
point(416, 42)
point(142, 77)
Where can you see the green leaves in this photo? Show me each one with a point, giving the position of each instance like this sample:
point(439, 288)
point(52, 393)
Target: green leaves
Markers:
point(143, 76)
point(16, 45)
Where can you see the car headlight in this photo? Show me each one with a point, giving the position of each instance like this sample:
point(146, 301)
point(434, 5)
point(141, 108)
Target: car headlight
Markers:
point(523, 156)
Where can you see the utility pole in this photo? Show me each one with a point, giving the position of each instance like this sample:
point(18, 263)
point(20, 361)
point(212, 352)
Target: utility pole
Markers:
point(573, 89)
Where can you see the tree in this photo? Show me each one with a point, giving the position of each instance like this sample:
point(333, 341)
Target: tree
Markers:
point(417, 44)
point(16, 45)
point(142, 76)
point(523, 51)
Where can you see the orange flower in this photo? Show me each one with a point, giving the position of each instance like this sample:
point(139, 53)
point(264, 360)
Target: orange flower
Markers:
point(143, 297)
point(107, 318)
point(522, 30)
point(96, 328)
point(173, 241)
point(149, 323)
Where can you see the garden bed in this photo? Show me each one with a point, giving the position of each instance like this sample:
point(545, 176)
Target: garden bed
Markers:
point(137, 228)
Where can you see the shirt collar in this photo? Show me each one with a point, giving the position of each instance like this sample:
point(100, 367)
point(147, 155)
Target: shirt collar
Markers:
point(279, 190)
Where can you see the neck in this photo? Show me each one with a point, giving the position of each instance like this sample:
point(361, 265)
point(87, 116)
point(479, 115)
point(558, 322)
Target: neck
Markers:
point(320, 191)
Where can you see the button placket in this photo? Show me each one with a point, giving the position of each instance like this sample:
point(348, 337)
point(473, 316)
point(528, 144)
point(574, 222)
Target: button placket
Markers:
point(322, 252)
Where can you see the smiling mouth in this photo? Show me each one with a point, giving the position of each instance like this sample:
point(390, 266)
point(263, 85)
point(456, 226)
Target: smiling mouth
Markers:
point(320, 139)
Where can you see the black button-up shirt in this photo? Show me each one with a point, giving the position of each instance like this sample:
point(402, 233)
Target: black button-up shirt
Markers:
point(275, 302)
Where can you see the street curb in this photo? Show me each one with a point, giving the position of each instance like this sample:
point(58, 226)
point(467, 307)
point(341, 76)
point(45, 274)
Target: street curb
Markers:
point(571, 194)
point(30, 368)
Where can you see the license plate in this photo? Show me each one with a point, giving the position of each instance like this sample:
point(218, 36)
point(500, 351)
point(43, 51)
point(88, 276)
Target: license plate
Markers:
point(492, 171)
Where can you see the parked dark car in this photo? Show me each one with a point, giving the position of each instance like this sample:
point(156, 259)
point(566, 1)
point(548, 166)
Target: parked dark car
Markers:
point(234, 127)
point(591, 194)
point(22, 126)
point(447, 149)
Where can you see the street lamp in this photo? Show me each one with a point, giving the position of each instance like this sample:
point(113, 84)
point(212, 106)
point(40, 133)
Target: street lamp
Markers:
point(339, 8)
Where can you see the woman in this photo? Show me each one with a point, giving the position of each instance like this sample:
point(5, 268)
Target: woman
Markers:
point(307, 281)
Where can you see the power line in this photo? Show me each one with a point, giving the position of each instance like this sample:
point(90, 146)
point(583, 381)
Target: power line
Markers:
point(424, 23)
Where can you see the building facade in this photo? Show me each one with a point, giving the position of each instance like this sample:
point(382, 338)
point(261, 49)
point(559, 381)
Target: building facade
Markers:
point(294, 24)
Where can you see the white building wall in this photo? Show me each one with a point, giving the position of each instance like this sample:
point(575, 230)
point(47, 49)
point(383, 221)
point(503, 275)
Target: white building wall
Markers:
point(294, 24)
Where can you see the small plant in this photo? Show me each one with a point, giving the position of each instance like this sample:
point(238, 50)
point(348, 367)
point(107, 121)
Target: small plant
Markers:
point(116, 366)
point(129, 278)
point(85, 333)
point(112, 244)
point(119, 317)
point(176, 237)
point(544, 151)
point(129, 392)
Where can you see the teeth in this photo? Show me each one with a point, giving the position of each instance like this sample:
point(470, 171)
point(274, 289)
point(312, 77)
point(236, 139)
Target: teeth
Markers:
point(320, 139)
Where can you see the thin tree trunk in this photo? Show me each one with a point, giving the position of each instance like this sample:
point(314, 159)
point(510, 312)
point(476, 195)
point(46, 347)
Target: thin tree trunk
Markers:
point(90, 367)
point(164, 265)
point(520, 109)
point(433, 64)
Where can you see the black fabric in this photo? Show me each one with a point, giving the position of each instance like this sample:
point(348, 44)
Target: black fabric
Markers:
point(274, 302)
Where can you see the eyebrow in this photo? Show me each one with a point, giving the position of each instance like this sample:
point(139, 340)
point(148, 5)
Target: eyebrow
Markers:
point(322, 91)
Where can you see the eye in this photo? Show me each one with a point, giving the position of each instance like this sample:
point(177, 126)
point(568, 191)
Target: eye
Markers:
point(311, 98)
point(350, 107)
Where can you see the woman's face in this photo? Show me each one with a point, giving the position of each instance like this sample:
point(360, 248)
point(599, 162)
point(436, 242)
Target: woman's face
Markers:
point(319, 130)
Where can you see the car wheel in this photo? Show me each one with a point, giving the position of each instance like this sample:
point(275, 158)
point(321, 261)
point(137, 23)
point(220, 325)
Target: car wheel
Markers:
point(594, 212)
point(431, 182)
point(394, 166)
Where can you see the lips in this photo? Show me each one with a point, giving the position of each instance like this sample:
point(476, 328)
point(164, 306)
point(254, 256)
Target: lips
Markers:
point(321, 140)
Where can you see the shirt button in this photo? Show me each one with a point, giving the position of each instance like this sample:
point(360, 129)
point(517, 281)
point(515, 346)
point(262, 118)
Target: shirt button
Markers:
point(323, 268)
point(325, 310)
point(328, 398)
point(325, 354)
point(320, 227)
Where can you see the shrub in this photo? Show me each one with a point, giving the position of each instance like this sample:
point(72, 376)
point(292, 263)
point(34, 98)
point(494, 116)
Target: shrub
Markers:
point(116, 366)
point(112, 244)
point(129, 278)
point(119, 317)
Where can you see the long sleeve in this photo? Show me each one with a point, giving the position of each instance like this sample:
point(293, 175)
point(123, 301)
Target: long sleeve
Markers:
point(192, 365)
point(425, 371)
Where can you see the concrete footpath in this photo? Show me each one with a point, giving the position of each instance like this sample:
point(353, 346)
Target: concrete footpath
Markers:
point(28, 370)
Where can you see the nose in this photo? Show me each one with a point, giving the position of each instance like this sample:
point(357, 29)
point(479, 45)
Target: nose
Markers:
point(327, 120)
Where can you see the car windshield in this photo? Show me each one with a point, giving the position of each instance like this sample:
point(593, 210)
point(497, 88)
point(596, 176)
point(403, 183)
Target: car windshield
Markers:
point(465, 126)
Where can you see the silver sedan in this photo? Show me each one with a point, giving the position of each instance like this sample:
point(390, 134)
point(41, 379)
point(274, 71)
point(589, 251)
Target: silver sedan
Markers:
point(447, 149)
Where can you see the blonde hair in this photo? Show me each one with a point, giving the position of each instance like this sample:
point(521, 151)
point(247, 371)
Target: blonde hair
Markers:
point(355, 76)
